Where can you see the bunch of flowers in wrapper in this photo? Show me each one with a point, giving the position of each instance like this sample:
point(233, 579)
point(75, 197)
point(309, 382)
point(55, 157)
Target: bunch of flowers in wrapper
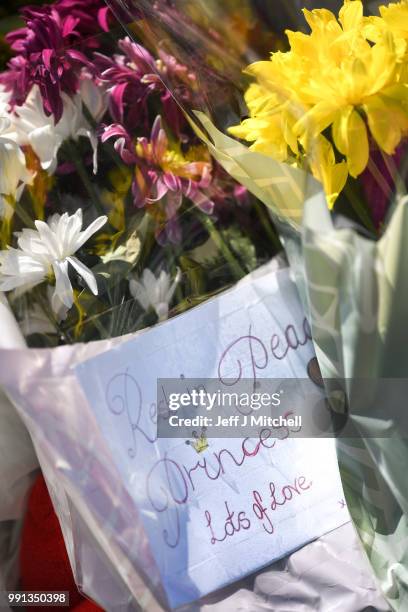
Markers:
point(318, 132)
point(112, 210)
point(137, 170)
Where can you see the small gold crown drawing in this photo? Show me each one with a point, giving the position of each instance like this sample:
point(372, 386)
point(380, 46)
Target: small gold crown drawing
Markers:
point(199, 441)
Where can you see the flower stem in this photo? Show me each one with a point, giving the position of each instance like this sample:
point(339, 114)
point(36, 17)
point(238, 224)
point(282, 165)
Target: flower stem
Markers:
point(398, 172)
point(234, 264)
point(88, 185)
point(23, 215)
point(267, 225)
point(45, 306)
point(6, 224)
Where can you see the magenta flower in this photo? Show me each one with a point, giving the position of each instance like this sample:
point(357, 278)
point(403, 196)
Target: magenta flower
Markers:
point(134, 76)
point(378, 182)
point(50, 50)
point(92, 16)
point(163, 176)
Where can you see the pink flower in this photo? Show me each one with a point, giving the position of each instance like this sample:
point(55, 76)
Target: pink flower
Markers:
point(134, 76)
point(163, 175)
point(50, 50)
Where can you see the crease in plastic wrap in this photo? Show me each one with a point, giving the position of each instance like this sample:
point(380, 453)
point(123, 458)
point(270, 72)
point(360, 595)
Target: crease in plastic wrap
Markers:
point(344, 279)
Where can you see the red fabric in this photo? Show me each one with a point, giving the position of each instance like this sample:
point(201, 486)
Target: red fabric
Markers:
point(44, 564)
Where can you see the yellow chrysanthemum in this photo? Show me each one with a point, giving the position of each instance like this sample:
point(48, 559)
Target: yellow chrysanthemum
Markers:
point(346, 80)
point(394, 19)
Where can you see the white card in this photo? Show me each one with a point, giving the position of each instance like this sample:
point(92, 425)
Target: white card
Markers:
point(216, 516)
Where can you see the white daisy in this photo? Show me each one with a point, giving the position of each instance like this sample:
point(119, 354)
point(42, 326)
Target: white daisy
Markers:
point(14, 175)
point(13, 171)
point(31, 126)
point(155, 292)
point(46, 252)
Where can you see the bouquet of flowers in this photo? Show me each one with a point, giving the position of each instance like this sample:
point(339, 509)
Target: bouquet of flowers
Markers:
point(113, 216)
point(123, 202)
point(318, 132)
point(112, 210)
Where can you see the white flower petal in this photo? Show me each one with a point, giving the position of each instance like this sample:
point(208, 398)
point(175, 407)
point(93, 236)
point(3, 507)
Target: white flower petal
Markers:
point(90, 231)
point(5, 124)
point(63, 288)
point(68, 231)
point(139, 293)
point(49, 239)
point(162, 311)
point(16, 261)
point(163, 285)
point(94, 144)
point(68, 125)
point(59, 308)
point(13, 170)
point(18, 269)
point(19, 192)
point(6, 210)
point(45, 144)
point(150, 283)
point(85, 273)
point(94, 98)
point(54, 220)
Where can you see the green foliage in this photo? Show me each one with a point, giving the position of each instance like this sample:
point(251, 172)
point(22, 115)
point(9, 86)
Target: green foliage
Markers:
point(5, 53)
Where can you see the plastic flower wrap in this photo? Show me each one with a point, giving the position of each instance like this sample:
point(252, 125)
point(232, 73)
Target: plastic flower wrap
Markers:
point(316, 127)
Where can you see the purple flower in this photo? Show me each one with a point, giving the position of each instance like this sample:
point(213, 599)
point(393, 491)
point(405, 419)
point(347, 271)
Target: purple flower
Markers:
point(163, 176)
point(135, 75)
point(92, 16)
point(50, 50)
point(378, 181)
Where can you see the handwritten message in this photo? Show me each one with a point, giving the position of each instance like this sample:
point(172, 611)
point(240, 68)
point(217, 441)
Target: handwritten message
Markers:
point(216, 510)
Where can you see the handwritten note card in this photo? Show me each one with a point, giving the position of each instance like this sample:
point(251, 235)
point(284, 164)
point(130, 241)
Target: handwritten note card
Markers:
point(241, 504)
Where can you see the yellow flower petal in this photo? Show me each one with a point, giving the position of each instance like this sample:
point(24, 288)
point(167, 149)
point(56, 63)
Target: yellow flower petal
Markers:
point(351, 14)
point(332, 175)
point(319, 17)
point(387, 123)
point(317, 119)
point(335, 179)
point(350, 137)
